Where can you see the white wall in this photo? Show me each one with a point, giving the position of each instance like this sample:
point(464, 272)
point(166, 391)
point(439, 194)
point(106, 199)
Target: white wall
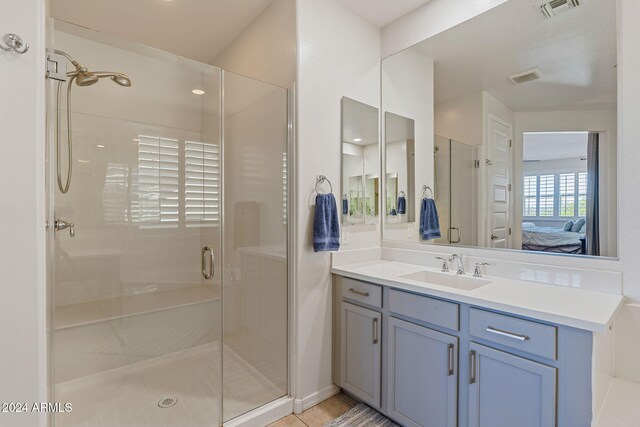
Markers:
point(23, 339)
point(628, 330)
point(338, 55)
point(460, 119)
point(266, 49)
point(432, 18)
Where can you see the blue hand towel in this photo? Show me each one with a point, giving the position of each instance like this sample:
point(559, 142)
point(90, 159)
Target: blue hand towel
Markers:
point(326, 229)
point(429, 223)
point(345, 207)
point(402, 205)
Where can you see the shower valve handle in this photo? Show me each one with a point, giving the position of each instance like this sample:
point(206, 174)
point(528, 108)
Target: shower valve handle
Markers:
point(60, 225)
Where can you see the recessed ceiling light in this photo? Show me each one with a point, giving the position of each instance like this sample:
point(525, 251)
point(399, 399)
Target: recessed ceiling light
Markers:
point(83, 161)
point(198, 91)
point(100, 146)
point(357, 139)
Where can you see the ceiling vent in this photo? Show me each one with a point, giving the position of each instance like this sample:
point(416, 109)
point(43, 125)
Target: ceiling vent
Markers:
point(527, 76)
point(553, 7)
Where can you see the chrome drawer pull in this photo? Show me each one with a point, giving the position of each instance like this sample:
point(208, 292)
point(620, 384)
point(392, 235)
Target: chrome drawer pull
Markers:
point(375, 330)
point(355, 291)
point(507, 334)
point(472, 367)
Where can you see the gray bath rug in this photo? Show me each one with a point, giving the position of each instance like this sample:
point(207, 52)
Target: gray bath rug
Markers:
point(361, 415)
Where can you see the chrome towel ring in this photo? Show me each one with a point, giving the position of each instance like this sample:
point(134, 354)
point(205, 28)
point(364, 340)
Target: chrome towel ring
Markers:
point(14, 43)
point(320, 180)
point(426, 188)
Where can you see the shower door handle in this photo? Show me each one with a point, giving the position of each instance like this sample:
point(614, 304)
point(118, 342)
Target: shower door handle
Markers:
point(208, 273)
point(60, 225)
point(459, 235)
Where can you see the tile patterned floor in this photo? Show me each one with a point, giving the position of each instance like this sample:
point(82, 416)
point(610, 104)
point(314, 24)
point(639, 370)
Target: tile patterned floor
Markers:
point(320, 414)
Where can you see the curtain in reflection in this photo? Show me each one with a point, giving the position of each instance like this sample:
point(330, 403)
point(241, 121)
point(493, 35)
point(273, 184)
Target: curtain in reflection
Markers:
point(593, 194)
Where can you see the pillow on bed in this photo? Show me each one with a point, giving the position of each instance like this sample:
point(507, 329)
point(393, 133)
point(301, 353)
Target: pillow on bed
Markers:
point(583, 230)
point(527, 225)
point(578, 225)
point(568, 226)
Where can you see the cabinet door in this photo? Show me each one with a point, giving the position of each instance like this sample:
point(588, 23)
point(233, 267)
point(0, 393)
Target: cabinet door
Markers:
point(360, 367)
point(507, 390)
point(422, 375)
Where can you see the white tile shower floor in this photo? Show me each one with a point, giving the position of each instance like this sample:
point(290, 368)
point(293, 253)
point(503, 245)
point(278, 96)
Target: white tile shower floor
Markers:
point(129, 396)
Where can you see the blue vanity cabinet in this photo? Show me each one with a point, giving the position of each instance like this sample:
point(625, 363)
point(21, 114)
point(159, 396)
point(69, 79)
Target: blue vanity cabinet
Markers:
point(507, 390)
point(422, 375)
point(445, 363)
point(361, 353)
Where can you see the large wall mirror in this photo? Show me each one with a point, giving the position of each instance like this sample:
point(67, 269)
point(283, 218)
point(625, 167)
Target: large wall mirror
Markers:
point(360, 164)
point(512, 132)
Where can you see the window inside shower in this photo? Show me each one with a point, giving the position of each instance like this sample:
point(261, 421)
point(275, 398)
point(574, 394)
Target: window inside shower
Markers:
point(169, 305)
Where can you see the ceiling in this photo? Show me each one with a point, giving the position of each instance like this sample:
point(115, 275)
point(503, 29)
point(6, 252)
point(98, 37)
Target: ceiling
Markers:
point(382, 12)
point(575, 51)
point(196, 29)
point(359, 121)
point(554, 145)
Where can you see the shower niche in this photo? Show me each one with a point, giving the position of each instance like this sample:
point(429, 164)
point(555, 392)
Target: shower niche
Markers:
point(169, 303)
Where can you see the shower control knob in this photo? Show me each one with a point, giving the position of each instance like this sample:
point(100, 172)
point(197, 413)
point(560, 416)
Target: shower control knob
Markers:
point(60, 225)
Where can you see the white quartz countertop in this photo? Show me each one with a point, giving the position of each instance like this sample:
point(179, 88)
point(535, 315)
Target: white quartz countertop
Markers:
point(564, 305)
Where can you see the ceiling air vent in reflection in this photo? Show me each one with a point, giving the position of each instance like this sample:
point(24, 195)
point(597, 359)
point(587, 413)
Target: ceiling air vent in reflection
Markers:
point(525, 77)
point(550, 9)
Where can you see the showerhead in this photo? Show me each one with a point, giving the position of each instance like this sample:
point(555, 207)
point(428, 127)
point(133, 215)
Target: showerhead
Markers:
point(122, 79)
point(85, 77)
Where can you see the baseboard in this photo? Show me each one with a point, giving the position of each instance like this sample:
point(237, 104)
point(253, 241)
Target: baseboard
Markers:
point(264, 415)
point(301, 405)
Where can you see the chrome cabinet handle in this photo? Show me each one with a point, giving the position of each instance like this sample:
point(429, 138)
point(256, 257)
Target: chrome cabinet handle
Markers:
point(472, 367)
point(459, 235)
point(60, 225)
point(450, 361)
point(507, 334)
point(208, 274)
point(355, 291)
point(375, 330)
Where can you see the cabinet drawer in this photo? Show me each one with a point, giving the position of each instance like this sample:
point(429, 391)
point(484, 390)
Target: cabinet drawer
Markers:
point(365, 293)
point(525, 335)
point(431, 310)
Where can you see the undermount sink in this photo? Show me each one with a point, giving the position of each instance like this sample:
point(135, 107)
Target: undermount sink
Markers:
point(450, 280)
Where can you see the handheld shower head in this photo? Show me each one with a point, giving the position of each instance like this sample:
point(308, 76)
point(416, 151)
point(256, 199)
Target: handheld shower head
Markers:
point(122, 79)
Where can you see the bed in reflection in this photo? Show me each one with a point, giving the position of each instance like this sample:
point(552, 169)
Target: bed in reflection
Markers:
point(552, 239)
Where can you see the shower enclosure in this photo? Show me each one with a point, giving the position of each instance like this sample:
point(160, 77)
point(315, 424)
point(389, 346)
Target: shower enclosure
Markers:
point(456, 191)
point(169, 303)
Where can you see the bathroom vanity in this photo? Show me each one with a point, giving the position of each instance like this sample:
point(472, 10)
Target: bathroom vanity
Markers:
point(437, 349)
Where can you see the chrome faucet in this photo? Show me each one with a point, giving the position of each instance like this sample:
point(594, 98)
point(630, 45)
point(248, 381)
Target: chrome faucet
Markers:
point(460, 263)
point(478, 272)
point(445, 264)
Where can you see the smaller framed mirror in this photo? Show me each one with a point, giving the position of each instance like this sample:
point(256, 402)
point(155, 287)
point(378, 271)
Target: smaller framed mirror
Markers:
point(360, 164)
point(400, 169)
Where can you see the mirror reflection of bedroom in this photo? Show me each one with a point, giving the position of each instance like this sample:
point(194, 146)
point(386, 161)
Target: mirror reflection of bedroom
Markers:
point(565, 192)
point(523, 150)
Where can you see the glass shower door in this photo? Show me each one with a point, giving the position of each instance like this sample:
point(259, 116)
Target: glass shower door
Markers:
point(137, 301)
point(255, 284)
point(456, 193)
